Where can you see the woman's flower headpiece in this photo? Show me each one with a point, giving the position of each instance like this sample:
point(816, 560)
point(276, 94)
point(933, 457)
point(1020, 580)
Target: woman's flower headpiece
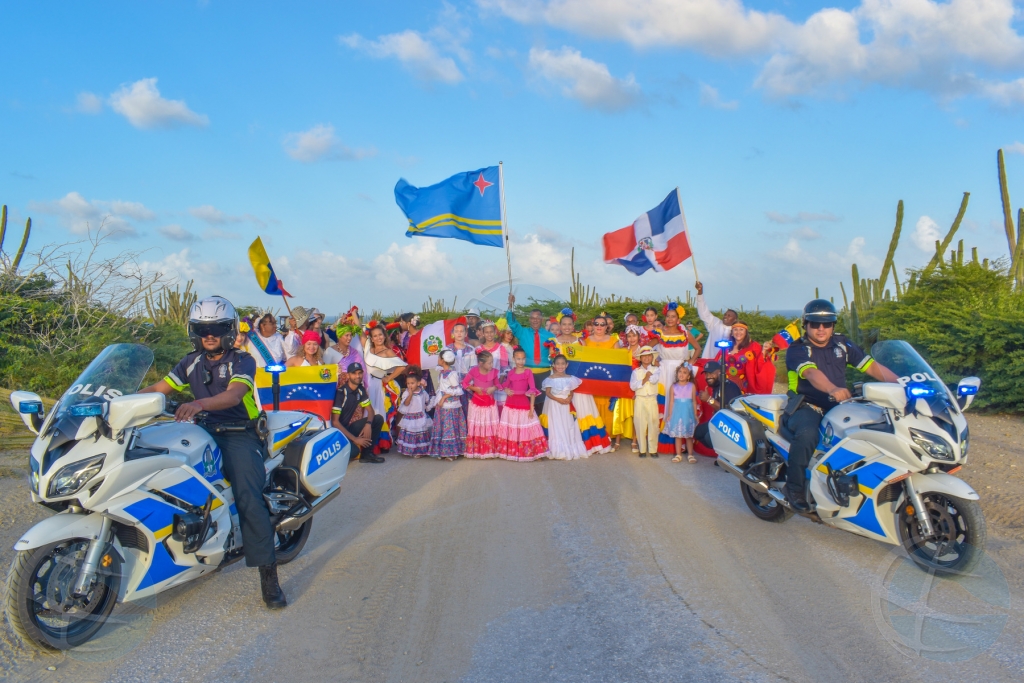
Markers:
point(673, 306)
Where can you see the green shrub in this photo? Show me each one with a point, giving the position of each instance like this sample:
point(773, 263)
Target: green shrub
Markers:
point(965, 320)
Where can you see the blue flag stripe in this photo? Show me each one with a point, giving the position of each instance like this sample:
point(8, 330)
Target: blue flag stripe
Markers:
point(466, 206)
point(663, 213)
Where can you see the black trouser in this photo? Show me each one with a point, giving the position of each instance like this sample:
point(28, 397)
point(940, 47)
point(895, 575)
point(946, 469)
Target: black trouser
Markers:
point(538, 403)
point(355, 428)
point(804, 425)
point(242, 453)
point(702, 433)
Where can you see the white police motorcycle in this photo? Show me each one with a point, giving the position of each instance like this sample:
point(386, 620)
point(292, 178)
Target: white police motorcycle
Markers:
point(143, 504)
point(884, 464)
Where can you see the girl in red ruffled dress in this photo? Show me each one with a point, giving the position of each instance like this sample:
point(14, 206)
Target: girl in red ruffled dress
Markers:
point(520, 436)
point(482, 420)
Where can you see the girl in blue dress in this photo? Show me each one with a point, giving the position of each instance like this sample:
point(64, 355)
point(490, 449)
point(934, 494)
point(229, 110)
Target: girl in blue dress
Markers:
point(681, 414)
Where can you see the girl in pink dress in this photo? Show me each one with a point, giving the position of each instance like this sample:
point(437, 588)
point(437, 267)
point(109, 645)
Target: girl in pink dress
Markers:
point(482, 420)
point(520, 436)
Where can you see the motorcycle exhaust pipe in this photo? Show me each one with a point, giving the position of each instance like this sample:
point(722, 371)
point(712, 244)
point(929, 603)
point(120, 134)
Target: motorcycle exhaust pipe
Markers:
point(732, 469)
point(293, 522)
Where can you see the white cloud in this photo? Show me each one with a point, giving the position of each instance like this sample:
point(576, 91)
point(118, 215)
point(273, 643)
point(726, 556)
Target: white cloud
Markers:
point(88, 103)
point(176, 232)
point(925, 234)
point(585, 80)
point(412, 265)
point(540, 258)
point(320, 143)
point(143, 106)
point(709, 97)
point(1015, 148)
point(219, 234)
point(80, 215)
point(211, 215)
point(935, 46)
point(417, 54)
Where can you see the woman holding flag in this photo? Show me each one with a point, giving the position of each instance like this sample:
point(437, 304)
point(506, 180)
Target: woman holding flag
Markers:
point(384, 367)
point(600, 339)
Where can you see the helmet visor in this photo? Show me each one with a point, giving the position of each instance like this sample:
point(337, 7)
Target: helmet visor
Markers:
point(217, 330)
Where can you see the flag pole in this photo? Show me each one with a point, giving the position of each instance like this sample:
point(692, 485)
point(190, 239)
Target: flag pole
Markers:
point(693, 261)
point(504, 224)
point(286, 305)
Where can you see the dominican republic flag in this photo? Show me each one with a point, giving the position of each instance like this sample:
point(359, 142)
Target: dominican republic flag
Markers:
point(657, 239)
point(425, 345)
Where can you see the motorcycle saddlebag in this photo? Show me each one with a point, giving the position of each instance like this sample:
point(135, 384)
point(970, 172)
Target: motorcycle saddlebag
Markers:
point(731, 437)
point(320, 457)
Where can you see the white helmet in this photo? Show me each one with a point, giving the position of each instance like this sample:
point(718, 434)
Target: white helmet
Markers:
point(215, 316)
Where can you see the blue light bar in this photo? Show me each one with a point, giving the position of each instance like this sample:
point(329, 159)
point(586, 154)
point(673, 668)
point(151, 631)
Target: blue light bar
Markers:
point(920, 391)
point(724, 344)
point(30, 407)
point(87, 410)
point(275, 368)
point(967, 390)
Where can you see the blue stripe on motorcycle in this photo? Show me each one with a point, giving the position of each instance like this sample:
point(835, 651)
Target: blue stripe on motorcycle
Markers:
point(872, 475)
point(191, 491)
point(867, 518)
point(842, 458)
point(161, 568)
point(155, 515)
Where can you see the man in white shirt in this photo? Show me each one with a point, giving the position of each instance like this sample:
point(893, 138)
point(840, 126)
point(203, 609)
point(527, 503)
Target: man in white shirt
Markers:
point(717, 329)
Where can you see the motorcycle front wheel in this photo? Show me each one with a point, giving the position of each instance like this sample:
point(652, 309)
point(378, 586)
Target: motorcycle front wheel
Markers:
point(39, 602)
point(960, 534)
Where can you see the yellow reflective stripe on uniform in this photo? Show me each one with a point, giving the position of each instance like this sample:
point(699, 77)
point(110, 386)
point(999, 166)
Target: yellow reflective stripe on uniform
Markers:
point(249, 401)
point(794, 379)
point(336, 410)
point(804, 367)
point(865, 364)
point(244, 380)
point(170, 379)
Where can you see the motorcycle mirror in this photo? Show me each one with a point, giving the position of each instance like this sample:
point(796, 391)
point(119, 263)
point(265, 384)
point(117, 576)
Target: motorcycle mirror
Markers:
point(30, 408)
point(966, 390)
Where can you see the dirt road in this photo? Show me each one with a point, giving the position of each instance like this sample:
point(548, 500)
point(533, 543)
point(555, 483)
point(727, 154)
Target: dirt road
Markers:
point(611, 569)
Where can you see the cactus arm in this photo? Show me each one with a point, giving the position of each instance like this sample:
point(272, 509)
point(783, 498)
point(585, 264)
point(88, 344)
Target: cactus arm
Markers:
point(1004, 192)
point(3, 227)
point(24, 243)
point(941, 248)
point(887, 266)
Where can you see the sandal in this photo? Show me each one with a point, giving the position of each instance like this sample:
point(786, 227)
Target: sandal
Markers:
point(692, 460)
point(678, 458)
point(636, 449)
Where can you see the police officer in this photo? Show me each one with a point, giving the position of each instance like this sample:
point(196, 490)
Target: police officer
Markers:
point(817, 374)
point(221, 380)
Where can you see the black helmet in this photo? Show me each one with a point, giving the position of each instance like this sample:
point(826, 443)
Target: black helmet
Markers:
point(820, 311)
point(213, 315)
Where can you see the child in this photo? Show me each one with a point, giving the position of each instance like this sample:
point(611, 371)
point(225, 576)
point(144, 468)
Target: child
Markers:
point(482, 421)
point(414, 432)
point(449, 435)
point(644, 383)
point(520, 436)
point(681, 415)
point(564, 439)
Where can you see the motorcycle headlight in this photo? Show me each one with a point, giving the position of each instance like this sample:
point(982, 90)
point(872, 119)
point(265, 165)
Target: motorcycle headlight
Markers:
point(71, 478)
point(933, 445)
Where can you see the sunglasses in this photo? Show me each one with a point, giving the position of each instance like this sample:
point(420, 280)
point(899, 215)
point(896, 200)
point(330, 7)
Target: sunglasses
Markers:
point(212, 330)
point(815, 326)
point(600, 325)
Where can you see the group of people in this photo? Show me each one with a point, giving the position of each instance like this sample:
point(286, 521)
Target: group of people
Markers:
point(502, 390)
point(493, 381)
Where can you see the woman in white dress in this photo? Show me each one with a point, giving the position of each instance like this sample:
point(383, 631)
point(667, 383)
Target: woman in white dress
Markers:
point(675, 344)
point(384, 367)
point(564, 439)
point(588, 419)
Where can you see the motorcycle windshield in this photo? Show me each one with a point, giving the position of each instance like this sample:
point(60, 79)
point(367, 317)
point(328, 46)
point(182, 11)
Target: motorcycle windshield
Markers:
point(907, 364)
point(118, 370)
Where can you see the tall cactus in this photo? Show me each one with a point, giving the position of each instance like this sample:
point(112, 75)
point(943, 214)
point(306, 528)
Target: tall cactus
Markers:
point(1017, 255)
point(24, 243)
point(1004, 192)
point(887, 266)
point(3, 227)
point(940, 248)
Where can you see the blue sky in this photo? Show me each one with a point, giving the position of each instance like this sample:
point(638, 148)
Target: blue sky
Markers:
point(792, 131)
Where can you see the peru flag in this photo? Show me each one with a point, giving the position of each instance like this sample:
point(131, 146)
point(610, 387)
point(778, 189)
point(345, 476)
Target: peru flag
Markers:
point(425, 345)
point(657, 239)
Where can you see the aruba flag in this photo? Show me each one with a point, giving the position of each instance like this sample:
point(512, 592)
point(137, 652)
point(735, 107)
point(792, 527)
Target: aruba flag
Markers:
point(304, 388)
point(268, 282)
point(657, 239)
point(604, 372)
point(466, 206)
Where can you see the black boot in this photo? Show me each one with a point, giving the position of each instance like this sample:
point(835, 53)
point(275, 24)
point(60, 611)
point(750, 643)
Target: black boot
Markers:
point(273, 596)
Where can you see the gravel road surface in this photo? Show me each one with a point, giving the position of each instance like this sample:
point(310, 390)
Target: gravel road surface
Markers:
point(610, 569)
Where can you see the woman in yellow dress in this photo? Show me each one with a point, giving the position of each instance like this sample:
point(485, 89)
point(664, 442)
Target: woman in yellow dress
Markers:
point(600, 339)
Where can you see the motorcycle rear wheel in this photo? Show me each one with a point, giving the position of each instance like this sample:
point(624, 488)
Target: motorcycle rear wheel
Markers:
point(764, 506)
point(38, 603)
point(960, 535)
point(288, 544)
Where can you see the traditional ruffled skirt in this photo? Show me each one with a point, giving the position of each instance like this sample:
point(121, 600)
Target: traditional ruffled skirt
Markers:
point(592, 427)
point(482, 431)
point(520, 436)
point(413, 443)
point(448, 439)
point(622, 423)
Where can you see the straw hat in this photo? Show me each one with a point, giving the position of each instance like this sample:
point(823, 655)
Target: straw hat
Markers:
point(645, 351)
point(301, 316)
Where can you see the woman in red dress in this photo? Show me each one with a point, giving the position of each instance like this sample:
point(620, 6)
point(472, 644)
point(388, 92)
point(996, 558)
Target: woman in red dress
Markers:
point(748, 364)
